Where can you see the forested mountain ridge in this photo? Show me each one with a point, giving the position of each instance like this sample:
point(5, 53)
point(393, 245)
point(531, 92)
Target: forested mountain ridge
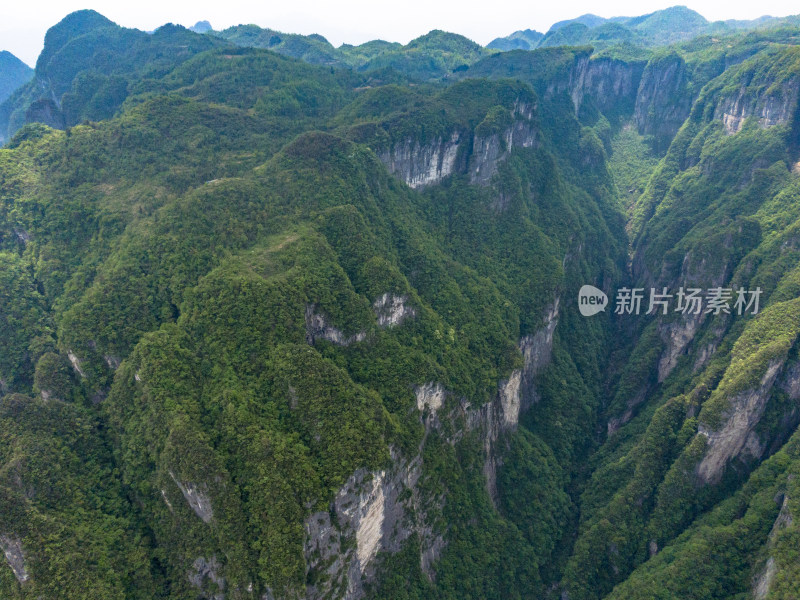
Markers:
point(659, 28)
point(86, 68)
point(13, 74)
point(286, 330)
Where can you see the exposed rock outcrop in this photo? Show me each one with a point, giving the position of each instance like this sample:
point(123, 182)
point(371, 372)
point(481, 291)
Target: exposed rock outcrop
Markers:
point(514, 394)
point(47, 111)
point(430, 396)
point(23, 236)
point(772, 106)
point(790, 381)
point(610, 83)
point(421, 164)
point(318, 328)
point(763, 582)
point(537, 352)
point(204, 575)
point(677, 335)
point(76, 363)
point(391, 310)
point(489, 151)
point(737, 433)
point(662, 100)
point(373, 512)
point(15, 557)
point(196, 496)
point(113, 362)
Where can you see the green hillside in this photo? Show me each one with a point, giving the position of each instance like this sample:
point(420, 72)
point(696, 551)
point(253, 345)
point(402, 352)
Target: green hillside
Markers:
point(662, 27)
point(282, 320)
point(13, 74)
point(429, 57)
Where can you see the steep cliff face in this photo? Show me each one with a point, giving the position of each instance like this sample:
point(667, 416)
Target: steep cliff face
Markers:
point(737, 434)
point(15, 557)
point(489, 150)
point(421, 164)
point(662, 101)
point(611, 84)
point(318, 328)
point(196, 496)
point(374, 511)
point(45, 111)
point(698, 272)
point(476, 152)
point(391, 310)
point(514, 394)
point(430, 396)
point(379, 511)
point(775, 105)
point(204, 576)
point(763, 582)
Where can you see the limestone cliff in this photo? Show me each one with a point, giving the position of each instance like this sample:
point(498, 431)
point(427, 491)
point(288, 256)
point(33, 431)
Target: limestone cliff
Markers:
point(774, 105)
point(611, 84)
point(379, 511)
point(475, 152)
point(421, 164)
point(662, 101)
point(736, 435)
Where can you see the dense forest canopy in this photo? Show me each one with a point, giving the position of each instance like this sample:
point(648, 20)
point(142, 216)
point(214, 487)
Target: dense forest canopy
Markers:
point(285, 320)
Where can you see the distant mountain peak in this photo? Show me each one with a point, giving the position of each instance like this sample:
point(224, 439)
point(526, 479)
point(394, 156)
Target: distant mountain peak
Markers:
point(201, 27)
point(525, 39)
point(440, 38)
point(13, 74)
point(81, 21)
point(7, 59)
point(73, 25)
point(588, 19)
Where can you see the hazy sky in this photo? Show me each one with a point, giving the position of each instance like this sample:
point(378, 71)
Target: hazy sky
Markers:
point(24, 23)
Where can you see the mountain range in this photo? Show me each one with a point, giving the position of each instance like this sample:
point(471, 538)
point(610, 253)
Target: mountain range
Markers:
point(13, 74)
point(662, 27)
point(284, 320)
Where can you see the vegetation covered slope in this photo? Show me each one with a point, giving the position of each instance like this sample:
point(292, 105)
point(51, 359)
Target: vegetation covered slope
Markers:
point(13, 74)
point(87, 65)
point(428, 57)
point(699, 463)
point(280, 330)
point(248, 321)
point(662, 27)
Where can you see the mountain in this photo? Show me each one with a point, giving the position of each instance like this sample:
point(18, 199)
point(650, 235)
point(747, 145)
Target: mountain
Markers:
point(13, 74)
point(201, 27)
point(429, 57)
point(274, 329)
point(669, 25)
point(519, 40)
point(314, 49)
point(87, 67)
point(588, 20)
point(214, 197)
point(660, 28)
